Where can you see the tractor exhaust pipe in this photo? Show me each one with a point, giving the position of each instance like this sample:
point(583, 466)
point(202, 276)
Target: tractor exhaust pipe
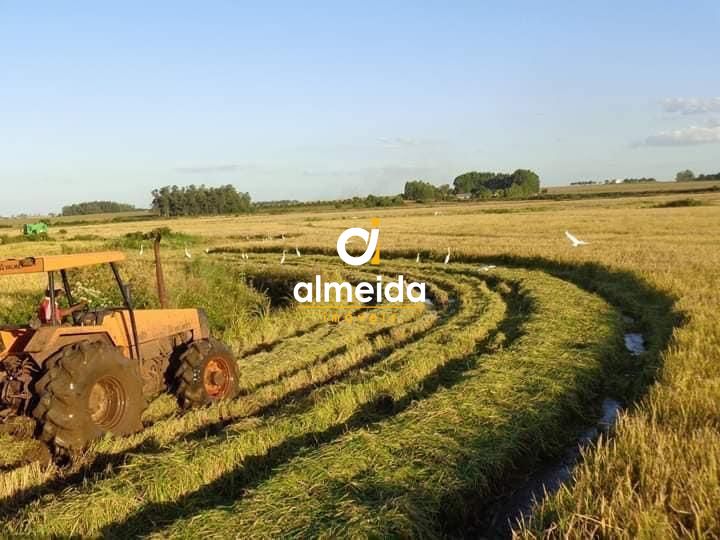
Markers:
point(162, 293)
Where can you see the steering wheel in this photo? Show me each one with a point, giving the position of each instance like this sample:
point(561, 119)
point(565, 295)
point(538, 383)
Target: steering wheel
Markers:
point(80, 315)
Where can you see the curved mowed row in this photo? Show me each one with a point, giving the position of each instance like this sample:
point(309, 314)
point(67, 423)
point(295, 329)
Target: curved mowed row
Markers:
point(366, 428)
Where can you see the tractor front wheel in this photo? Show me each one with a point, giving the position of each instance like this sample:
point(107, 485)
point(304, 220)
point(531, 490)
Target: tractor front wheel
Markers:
point(88, 389)
point(207, 373)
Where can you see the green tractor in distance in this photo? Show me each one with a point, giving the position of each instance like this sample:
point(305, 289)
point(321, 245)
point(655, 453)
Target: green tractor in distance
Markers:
point(35, 229)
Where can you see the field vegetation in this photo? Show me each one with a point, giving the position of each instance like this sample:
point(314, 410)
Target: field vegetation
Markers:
point(410, 422)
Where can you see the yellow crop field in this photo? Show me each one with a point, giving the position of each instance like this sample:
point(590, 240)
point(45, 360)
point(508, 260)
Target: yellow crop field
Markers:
point(426, 422)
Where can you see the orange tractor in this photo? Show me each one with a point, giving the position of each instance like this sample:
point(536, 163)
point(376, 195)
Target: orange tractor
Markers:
point(94, 372)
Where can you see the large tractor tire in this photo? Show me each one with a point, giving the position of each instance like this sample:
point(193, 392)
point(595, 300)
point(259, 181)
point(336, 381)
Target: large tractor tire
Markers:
point(207, 373)
point(88, 389)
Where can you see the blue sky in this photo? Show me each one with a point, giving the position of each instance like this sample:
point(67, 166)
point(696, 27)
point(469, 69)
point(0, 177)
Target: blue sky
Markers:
point(312, 100)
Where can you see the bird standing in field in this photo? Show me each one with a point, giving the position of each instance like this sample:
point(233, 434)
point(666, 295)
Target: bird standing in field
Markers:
point(282, 259)
point(575, 241)
point(417, 259)
point(447, 257)
point(487, 267)
point(207, 250)
point(187, 253)
point(297, 251)
point(142, 249)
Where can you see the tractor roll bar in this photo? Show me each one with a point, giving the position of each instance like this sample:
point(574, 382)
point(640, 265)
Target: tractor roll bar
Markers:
point(129, 307)
point(51, 287)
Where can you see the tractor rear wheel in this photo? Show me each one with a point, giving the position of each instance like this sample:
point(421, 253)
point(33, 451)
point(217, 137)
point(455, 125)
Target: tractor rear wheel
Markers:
point(207, 373)
point(88, 389)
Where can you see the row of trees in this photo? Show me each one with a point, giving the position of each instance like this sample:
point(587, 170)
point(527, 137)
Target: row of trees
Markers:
point(201, 200)
point(483, 185)
point(689, 176)
point(477, 185)
point(371, 201)
point(96, 207)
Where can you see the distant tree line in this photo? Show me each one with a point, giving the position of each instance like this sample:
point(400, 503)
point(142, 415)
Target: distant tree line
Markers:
point(477, 185)
point(642, 180)
point(689, 176)
point(483, 185)
point(371, 201)
point(96, 207)
point(201, 200)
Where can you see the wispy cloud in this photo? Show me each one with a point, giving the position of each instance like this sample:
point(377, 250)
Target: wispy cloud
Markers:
point(688, 136)
point(403, 142)
point(211, 168)
point(692, 105)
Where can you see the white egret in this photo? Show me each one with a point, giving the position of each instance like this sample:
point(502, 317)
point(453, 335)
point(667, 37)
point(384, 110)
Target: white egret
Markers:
point(187, 253)
point(575, 241)
point(282, 259)
point(447, 257)
point(297, 251)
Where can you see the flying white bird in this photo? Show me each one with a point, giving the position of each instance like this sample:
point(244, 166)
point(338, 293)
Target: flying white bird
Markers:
point(447, 257)
point(417, 259)
point(187, 253)
point(142, 249)
point(575, 241)
point(487, 267)
point(282, 259)
point(297, 251)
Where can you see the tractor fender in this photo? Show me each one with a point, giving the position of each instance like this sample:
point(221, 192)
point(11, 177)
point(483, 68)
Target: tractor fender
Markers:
point(48, 340)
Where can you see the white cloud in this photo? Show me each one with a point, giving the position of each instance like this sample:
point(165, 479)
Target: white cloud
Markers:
point(688, 136)
point(692, 105)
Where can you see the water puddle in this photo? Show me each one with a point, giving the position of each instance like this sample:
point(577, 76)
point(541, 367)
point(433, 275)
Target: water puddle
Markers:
point(549, 477)
point(635, 343)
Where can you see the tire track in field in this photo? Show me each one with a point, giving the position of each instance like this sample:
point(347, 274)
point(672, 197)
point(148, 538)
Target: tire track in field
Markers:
point(257, 468)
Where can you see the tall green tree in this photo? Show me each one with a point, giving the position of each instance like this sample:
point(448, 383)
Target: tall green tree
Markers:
point(200, 200)
point(418, 190)
point(685, 176)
